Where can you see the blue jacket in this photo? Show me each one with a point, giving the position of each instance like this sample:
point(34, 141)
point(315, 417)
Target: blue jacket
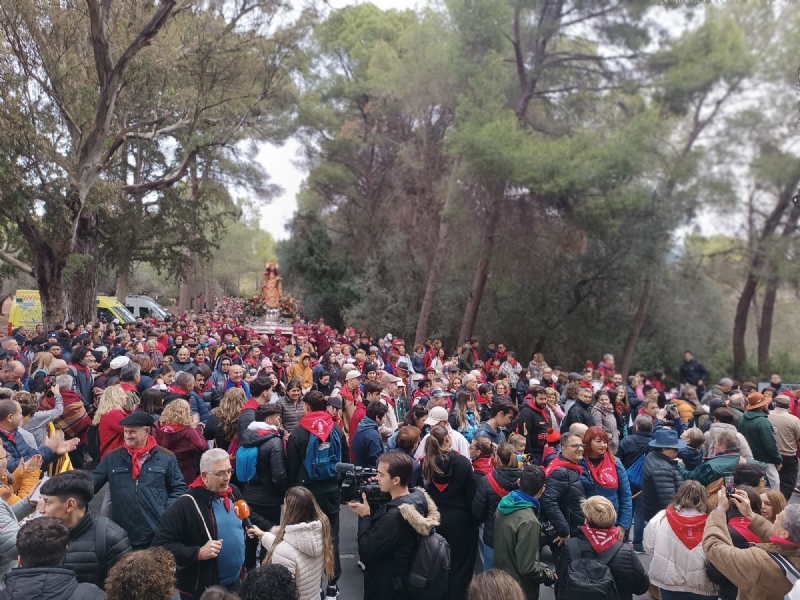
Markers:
point(137, 504)
point(619, 497)
point(199, 406)
point(245, 387)
point(367, 444)
point(19, 451)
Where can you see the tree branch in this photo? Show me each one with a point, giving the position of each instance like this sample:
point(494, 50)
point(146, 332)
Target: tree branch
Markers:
point(15, 262)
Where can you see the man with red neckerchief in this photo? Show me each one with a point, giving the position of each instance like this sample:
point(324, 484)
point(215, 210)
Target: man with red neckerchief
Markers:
point(534, 421)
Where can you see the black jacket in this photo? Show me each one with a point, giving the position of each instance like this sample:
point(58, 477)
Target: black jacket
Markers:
point(212, 396)
point(386, 542)
point(578, 413)
point(561, 501)
point(183, 534)
point(727, 590)
point(533, 424)
point(270, 484)
point(47, 583)
point(486, 499)
point(170, 396)
point(661, 478)
point(296, 454)
point(137, 504)
point(633, 446)
point(459, 491)
point(626, 569)
point(90, 564)
point(693, 371)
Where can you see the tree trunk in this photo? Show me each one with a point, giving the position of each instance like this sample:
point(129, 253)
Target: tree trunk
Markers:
point(187, 284)
point(636, 328)
point(121, 291)
point(481, 271)
point(49, 278)
point(81, 283)
point(437, 260)
point(765, 330)
point(740, 321)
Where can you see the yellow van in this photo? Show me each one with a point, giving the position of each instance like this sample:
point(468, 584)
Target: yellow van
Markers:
point(26, 309)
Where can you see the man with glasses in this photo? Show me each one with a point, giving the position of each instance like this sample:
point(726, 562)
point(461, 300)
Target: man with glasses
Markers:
point(203, 532)
point(561, 501)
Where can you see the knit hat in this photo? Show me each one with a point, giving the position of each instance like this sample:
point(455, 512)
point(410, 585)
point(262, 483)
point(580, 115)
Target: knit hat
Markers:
point(552, 436)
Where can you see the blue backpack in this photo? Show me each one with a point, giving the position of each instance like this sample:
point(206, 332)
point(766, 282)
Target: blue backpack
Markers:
point(29, 380)
point(635, 472)
point(321, 457)
point(246, 461)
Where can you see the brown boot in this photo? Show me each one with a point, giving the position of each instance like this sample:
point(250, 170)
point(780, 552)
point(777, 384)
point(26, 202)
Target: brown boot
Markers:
point(654, 592)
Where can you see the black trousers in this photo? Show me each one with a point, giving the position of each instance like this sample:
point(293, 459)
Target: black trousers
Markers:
point(329, 504)
point(271, 514)
point(457, 529)
point(788, 475)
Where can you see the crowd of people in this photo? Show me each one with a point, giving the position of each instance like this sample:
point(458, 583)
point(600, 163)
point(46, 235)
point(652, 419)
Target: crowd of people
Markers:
point(224, 457)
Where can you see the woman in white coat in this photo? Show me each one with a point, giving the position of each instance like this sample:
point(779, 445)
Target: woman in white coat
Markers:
point(302, 543)
point(674, 539)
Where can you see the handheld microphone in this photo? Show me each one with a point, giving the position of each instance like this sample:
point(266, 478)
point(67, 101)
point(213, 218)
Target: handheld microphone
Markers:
point(242, 511)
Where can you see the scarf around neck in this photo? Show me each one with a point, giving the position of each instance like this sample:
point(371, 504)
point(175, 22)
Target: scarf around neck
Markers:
point(136, 454)
point(605, 472)
point(689, 530)
point(226, 495)
point(600, 539)
point(559, 462)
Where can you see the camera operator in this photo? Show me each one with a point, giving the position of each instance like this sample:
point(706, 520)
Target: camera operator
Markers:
point(386, 540)
point(317, 422)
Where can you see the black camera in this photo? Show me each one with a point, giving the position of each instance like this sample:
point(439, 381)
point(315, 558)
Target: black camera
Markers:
point(355, 481)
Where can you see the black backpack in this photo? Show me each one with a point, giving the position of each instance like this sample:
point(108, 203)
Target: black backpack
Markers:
point(430, 568)
point(590, 578)
point(93, 443)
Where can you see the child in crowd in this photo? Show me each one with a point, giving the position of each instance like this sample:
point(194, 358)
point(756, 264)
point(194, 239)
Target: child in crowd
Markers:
point(518, 441)
point(692, 454)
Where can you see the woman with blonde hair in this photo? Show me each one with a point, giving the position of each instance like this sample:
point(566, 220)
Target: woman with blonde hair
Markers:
point(303, 543)
point(537, 366)
point(223, 424)
point(772, 504)
point(177, 431)
point(465, 419)
point(110, 411)
point(673, 537)
point(38, 371)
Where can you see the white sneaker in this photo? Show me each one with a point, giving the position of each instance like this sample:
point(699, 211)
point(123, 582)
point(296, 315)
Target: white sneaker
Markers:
point(332, 592)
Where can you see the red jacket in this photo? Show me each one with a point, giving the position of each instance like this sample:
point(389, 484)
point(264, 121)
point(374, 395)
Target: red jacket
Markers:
point(110, 431)
point(360, 413)
point(187, 443)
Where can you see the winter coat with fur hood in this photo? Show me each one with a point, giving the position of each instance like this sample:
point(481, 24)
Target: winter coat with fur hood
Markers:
point(386, 542)
point(302, 551)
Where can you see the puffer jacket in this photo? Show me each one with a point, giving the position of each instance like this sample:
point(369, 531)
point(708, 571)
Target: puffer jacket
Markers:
point(620, 496)
point(626, 569)
point(9, 526)
point(578, 413)
point(486, 499)
point(674, 567)
point(561, 501)
point(291, 413)
point(138, 504)
point(606, 420)
point(634, 446)
point(661, 478)
point(198, 406)
point(386, 542)
point(711, 436)
point(47, 583)
point(212, 394)
point(270, 484)
point(83, 556)
point(302, 552)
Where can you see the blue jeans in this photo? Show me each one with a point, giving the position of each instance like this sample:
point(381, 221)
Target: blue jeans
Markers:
point(639, 522)
point(488, 558)
point(667, 595)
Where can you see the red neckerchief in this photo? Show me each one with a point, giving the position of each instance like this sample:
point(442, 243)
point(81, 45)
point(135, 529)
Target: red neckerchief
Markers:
point(741, 526)
point(172, 427)
point(600, 539)
point(174, 389)
point(586, 386)
point(605, 473)
point(689, 530)
point(483, 400)
point(136, 454)
point(252, 403)
point(500, 355)
point(82, 368)
point(547, 451)
point(9, 435)
point(776, 539)
point(532, 406)
point(389, 400)
point(127, 387)
point(226, 495)
point(317, 423)
point(559, 462)
point(353, 397)
point(498, 489)
point(485, 465)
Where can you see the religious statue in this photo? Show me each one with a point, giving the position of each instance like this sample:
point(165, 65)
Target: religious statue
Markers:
point(272, 288)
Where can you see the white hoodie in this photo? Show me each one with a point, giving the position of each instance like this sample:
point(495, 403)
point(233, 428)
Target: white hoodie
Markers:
point(303, 553)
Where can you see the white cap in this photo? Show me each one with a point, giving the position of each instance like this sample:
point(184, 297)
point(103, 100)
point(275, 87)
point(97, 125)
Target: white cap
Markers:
point(436, 415)
point(120, 362)
point(352, 374)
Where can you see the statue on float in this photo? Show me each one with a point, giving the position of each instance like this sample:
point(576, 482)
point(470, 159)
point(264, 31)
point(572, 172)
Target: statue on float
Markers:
point(272, 289)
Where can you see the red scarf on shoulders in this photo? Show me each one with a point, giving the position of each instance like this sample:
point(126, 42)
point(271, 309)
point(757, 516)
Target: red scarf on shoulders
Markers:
point(483, 465)
point(741, 526)
point(226, 495)
point(559, 462)
point(136, 454)
point(689, 530)
point(600, 539)
point(605, 473)
point(127, 387)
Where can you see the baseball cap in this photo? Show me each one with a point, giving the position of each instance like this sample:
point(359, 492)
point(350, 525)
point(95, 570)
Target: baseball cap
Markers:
point(352, 374)
point(335, 401)
point(437, 414)
point(438, 393)
point(119, 362)
point(230, 346)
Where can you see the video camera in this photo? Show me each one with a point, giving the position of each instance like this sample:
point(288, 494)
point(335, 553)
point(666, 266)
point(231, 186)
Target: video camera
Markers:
point(355, 481)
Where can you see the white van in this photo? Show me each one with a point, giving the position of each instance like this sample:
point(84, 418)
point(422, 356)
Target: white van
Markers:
point(144, 306)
